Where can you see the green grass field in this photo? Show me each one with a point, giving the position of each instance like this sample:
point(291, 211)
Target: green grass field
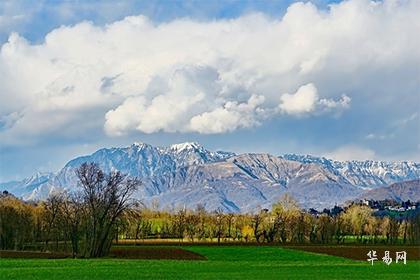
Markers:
point(229, 262)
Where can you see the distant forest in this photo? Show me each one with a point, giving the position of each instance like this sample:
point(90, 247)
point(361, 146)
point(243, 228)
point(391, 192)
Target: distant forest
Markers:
point(87, 223)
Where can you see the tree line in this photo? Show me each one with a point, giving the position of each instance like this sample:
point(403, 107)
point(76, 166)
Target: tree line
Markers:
point(103, 212)
point(285, 223)
point(84, 221)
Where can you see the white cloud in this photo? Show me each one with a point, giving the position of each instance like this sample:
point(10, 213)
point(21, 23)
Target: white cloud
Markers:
point(306, 100)
point(232, 116)
point(351, 152)
point(303, 101)
point(329, 104)
point(209, 77)
point(187, 99)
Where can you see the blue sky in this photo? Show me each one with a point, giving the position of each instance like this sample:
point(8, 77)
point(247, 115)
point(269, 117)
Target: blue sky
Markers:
point(331, 78)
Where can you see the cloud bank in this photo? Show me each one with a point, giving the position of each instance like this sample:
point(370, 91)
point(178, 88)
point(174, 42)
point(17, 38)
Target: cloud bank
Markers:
point(207, 77)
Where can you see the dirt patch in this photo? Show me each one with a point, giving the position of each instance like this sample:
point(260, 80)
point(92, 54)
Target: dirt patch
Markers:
point(155, 253)
point(360, 252)
point(150, 253)
point(32, 255)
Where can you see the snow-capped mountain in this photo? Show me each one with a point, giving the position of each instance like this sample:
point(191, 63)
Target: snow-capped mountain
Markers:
point(253, 181)
point(154, 165)
point(144, 160)
point(28, 185)
point(369, 173)
point(188, 174)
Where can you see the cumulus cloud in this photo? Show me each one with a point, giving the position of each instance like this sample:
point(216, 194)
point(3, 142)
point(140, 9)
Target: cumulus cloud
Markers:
point(306, 100)
point(303, 101)
point(188, 99)
point(231, 116)
point(208, 77)
point(329, 104)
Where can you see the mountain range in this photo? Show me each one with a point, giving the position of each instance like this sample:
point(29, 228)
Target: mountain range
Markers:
point(188, 174)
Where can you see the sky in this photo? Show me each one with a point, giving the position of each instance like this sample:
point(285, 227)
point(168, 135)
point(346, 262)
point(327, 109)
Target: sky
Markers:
point(339, 79)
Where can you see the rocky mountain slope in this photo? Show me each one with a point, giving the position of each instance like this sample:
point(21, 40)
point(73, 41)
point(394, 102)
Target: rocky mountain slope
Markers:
point(402, 191)
point(187, 174)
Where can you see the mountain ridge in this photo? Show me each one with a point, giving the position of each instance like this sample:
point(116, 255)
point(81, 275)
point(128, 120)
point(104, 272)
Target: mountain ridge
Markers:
point(188, 174)
point(400, 191)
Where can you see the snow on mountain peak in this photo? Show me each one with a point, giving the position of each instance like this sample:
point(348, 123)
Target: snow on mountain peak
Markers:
point(140, 144)
point(185, 146)
point(369, 173)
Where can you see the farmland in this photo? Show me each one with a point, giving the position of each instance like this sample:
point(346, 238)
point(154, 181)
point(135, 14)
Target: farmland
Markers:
point(218, 262)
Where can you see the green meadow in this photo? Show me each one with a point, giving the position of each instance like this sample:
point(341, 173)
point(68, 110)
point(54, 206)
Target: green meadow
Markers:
point(224, 262)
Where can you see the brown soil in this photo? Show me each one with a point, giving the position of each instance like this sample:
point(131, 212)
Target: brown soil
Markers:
point(158, 253)
point(155, 253)
point(32, 255)
point(360, 252)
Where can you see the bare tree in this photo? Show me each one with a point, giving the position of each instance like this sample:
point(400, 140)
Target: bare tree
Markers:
point(256, 223)
point(230, 219)
point(180, 223)
point(73, 211)
point(52, 212)
point(219, 222)
point(192, 222)
point(202, 220)
point(106, 198)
